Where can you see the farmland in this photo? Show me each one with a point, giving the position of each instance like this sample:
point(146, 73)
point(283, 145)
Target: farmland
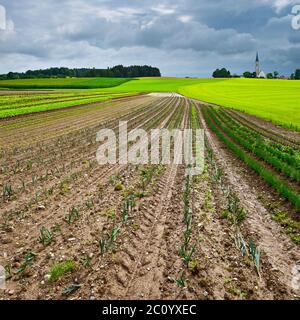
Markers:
point(275, 100)
point(22, 104)
point(73, 229)
point(68, 83)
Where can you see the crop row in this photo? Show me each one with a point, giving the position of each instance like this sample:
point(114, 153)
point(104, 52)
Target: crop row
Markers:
point(79, 219)
point(272, 179)
point(38, 182)
point(54, 105)
point(282, 147)
point(43, 101)
point(40, 128)
point(282, 158)
point(271, 134)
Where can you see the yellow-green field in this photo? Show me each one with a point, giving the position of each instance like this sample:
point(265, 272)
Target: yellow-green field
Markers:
point(275, 100)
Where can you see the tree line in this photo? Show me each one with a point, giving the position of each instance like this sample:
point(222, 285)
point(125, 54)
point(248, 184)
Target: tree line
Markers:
point(224, 73)
point(119, 71)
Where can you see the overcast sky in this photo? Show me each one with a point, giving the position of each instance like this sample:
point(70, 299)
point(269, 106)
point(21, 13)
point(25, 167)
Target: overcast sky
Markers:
point(181, 37)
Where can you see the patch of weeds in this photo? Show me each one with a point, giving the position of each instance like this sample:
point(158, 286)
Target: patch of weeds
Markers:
point(135, 227)
point(115, 179)
point(291, 226)
point(109, 213)
point(8, 271)
point(114, 258)
point(227, 280)
point(64, 188)
point(194, 266)
point(225, 214)
point(243, 295)
point(119, 187)
point(60, 269)
point(208, 200)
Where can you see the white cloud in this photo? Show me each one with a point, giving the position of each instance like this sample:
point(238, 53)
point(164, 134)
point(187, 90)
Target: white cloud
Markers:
point(182, 37)
point(164, 10)
point(185, 19)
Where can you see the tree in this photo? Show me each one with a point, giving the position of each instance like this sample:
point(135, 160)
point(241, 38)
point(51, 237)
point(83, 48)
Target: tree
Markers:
point(297, 74)
point(270, 76)
point(221, 73)
point(276, 74)
point(248, 74)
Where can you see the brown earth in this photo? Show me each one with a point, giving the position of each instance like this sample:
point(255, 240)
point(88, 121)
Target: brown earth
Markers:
point(50, 162)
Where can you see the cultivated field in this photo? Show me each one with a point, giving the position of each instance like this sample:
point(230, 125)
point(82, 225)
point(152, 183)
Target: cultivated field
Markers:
point(73, 229)
point(275, 100)
point(15, 104)
point(64, 83)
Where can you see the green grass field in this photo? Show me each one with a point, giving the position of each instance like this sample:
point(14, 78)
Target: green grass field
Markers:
point(159, 84)
point(64, 83)
point(275, 100)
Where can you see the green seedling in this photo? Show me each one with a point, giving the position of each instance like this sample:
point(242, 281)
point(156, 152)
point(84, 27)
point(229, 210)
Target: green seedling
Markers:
point(72, 216)
point(46, 236)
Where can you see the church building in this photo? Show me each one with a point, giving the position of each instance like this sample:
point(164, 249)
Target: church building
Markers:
point(259, 73)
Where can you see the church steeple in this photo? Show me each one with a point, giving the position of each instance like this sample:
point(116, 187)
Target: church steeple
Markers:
point(257, 67)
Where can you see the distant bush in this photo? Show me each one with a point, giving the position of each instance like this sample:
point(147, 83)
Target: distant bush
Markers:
point(249, 74)
point(296, 75)
point(221, 73)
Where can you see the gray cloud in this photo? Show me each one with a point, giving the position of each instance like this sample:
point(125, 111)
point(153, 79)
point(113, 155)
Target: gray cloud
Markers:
point(182, 37)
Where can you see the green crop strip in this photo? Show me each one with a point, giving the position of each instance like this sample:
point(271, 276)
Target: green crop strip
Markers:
point(290, 151)
point(266, 174)
point(257, 145)
point(54, 105)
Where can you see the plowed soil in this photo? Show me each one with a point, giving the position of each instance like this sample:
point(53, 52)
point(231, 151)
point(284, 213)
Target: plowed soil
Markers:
point(49, 161)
